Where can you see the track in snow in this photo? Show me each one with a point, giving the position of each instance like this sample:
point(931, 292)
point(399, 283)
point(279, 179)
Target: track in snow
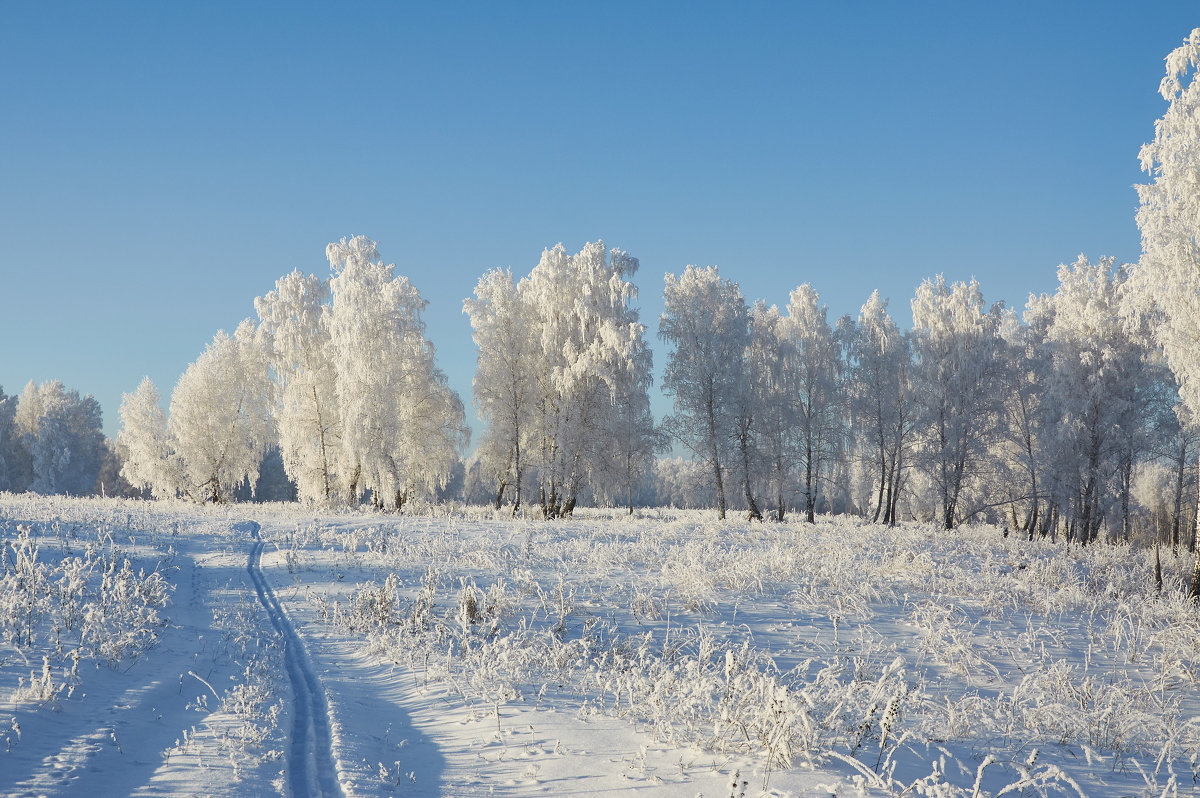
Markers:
point(311, 771)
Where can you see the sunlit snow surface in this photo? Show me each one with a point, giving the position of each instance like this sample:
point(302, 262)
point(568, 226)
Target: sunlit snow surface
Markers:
point(464, 654)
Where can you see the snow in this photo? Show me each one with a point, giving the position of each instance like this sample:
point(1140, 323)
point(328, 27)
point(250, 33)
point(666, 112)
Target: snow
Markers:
point(465, 653)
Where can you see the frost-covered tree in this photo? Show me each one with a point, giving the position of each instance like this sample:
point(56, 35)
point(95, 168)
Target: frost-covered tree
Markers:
point(957, 375)
point(746, 418)
point(771, 371)
point(706, 323)
point(149, 460)
point(219, 419)
point(503, 330)
point(1177, 440)
point(883, 406)
point(591, 353)
point(817, 389)
point(1096, 388)
point(62, 433)
point(1024, 444)
point(627, 455)
point(294, 322)
point(562, 378)
point(402, 425)
point(10, 445)
point(1167, 277)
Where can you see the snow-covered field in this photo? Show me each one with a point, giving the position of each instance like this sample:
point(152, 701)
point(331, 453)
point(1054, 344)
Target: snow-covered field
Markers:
point(245, 650)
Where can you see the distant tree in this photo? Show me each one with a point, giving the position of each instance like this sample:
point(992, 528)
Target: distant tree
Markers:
point(817, 389)
point(745, 420)
point(109, 481)
point(1096, 388)
point(1023, 445)
point(590, 353)
point(62, 432)
point(149, 459)
point(706, 323)
point(294, 322)
point(503, 331)
point(1167, 278)
point(11, 455)
point(771, 372)
point(957, 376)
point(402, 425)
point(883, 405)
point(219, 421)
point(627, 456)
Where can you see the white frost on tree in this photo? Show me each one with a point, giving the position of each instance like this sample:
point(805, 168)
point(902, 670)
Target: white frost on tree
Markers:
point(62, 433)
point(706, 322)
point(147, 453)
point(1095, 389)
point(771, 372)
point(589, 346)
point(503, 328)
point(10, 446)
point(562, 377)
point(294, 321)
point(219, 418)
point(957, 372)
point(816, 389)
point(402, 425)
point(1167, 277)
point(882, 401)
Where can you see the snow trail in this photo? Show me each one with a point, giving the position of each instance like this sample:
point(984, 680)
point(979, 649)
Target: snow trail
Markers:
point(311, 769)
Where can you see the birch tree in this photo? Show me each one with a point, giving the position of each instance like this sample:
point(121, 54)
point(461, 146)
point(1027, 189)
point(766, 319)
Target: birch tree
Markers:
point(293, 320)
point(402, 425)
point(590, 348)
point(61, 430)
point(148, 456)
point(1097, 387)
point(771, 370)
point(705, 321)
point(219, 419)
point(882, 400)
point(503, 387)
point(816, 389)
point(957, 363)
point(1167, 278)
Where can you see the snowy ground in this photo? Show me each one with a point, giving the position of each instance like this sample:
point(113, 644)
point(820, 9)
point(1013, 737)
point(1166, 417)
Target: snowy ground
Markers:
point(252, 650)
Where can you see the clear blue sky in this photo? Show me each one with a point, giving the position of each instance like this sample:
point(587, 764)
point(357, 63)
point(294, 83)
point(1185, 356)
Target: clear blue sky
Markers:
point(161, 164)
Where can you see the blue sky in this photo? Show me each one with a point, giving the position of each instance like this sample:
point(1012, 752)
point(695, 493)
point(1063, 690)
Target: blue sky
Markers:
point(162, 164)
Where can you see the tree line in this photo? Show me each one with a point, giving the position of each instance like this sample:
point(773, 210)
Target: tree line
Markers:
point(1069, 417)
point(1061, 419)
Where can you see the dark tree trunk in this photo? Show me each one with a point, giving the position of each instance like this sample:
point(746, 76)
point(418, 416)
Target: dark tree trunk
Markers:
point(810, 499)
point(355, 476)
point(720, 485)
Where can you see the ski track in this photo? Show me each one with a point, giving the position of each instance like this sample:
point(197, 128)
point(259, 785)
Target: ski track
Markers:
point(310, 759)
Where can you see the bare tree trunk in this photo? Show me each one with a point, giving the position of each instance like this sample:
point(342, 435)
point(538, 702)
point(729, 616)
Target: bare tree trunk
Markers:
point(1194, 592)
point(355, 476)
point(1178, 514)
point(883, 477)
point(324, 453)
point(753, 513)
point(779, 490)
point(810, 500)
point(1126, 480)
point(720, 484)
